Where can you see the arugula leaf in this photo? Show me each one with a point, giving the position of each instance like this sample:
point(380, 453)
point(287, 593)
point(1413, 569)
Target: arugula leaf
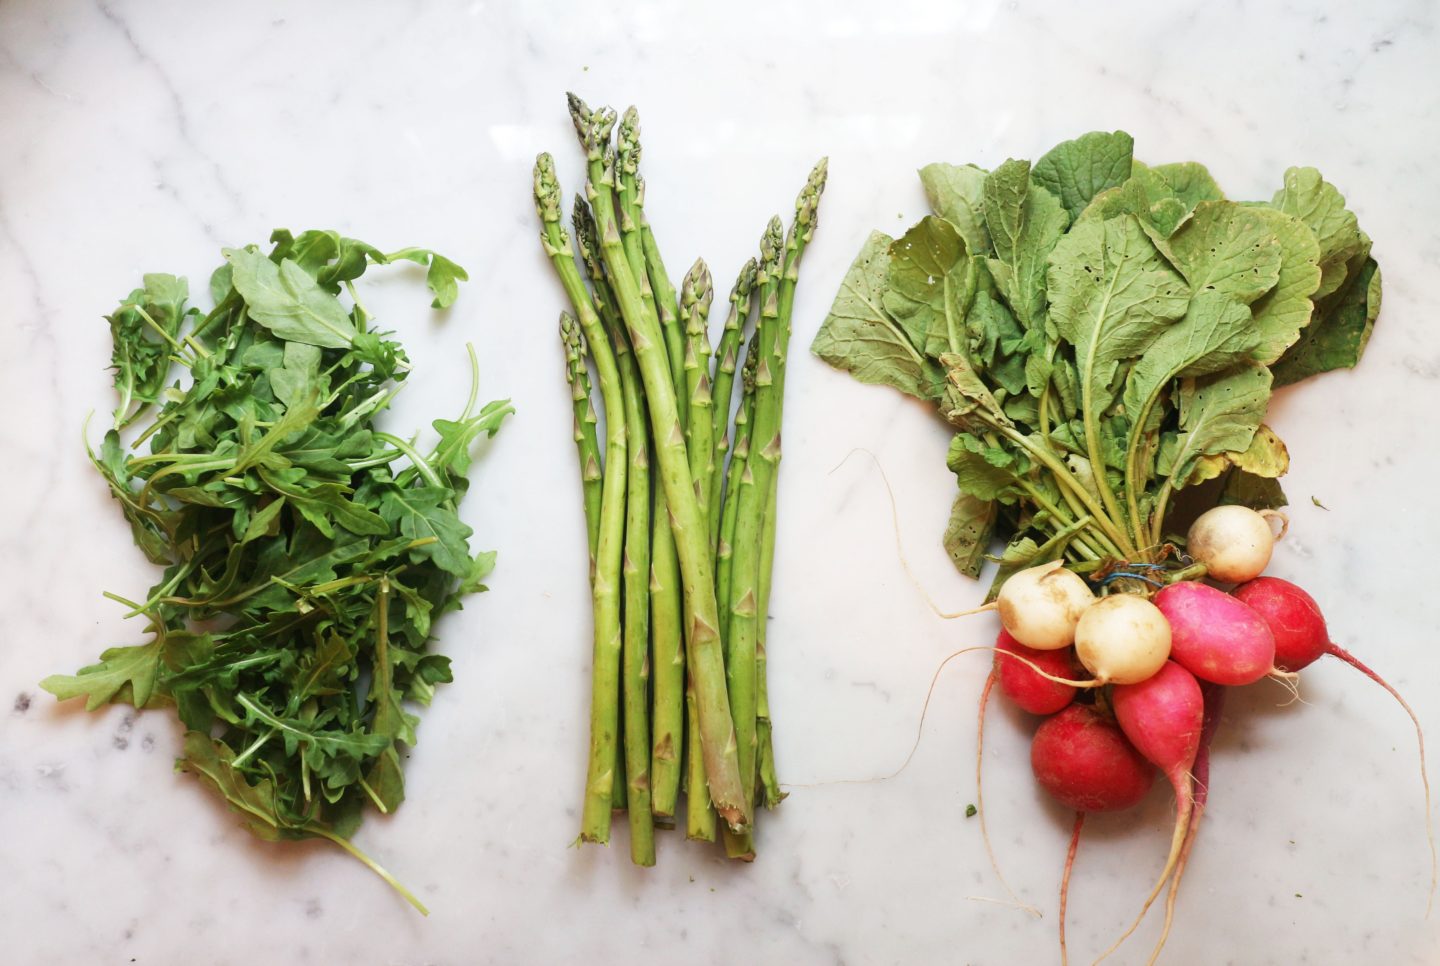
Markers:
point(278, 514)
point(123, 674)
point(861, 337)
point(288, 301)
point(443, 278)
point(424, 513)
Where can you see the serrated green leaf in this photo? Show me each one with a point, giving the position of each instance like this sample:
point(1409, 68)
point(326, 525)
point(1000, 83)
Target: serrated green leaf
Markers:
point(123, 674)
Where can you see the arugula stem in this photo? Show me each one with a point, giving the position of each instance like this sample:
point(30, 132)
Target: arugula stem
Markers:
point(253, 747)
point(374, 866)
point(421, 465)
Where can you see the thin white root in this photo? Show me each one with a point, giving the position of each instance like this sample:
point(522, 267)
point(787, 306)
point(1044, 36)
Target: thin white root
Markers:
point(980, 802)
point(900, 547)
point(1269, 515)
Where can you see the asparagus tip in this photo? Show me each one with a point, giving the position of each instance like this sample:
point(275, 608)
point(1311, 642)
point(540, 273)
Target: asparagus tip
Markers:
point(547, 188)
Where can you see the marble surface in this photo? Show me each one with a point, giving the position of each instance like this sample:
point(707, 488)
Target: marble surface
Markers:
point(144, 136)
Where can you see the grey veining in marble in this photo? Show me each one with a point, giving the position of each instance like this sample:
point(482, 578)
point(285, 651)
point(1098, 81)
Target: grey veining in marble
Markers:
point(143, 136)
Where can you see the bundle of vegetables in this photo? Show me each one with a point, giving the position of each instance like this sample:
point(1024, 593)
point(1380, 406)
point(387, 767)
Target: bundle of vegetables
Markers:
point(681, 542)
point(306, 552)
point(1104, 335)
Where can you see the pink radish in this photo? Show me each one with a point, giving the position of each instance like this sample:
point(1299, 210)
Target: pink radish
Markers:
point(1163, 717)
point(1028, 690)
point(1301, 638)
point(1214, 636)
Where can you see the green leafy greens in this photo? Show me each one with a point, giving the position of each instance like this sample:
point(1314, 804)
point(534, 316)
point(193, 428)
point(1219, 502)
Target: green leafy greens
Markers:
point(1101, 334)
point(306, 552)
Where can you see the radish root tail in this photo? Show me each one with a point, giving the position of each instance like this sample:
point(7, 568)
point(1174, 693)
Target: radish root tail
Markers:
point(1183, 811)
point(1335, 650)
point(980, 797)
point(900, 547)
point(1065, 881)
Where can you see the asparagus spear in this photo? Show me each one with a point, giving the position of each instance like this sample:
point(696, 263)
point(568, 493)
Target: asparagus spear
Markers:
point(578, 378)
point(635, 659)
point(696, 294)
point(604, 712)
point(724, 553)
point(750, 496)
point(727, 354)
point(801, 231)
point(706, 661)
point(665, 584)
point(667, 303)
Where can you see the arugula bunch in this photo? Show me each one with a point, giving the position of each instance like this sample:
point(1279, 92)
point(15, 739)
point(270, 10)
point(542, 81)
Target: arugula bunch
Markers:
point(306, 552)
point(1101, 334)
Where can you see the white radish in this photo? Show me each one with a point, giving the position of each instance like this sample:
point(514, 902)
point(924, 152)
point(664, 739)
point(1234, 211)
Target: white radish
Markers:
point(1122, 639)
point(1234, 542)
point(1040, 606)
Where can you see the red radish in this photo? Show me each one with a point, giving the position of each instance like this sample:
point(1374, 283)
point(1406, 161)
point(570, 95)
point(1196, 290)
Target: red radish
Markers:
point(1163, 717)
point(1301, 638)
point(1082, 759)
point(1030, 691)
point(1214, 636)
point(1295, 621)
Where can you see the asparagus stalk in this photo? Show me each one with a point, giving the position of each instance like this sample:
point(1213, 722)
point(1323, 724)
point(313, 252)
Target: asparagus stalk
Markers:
point(801, 231)
point(578, 378)
point(750, 496)
point(604, 711)
point(724, 553)
point(696, 295)
point(695, 298)
point(635, 658)
point(667, 303)
point(668, 630)
point(769, 778)
point(727, 354)
point(706, 661)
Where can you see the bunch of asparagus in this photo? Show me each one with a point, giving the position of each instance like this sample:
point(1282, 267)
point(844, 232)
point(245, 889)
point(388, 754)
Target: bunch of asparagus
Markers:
point(681, 542)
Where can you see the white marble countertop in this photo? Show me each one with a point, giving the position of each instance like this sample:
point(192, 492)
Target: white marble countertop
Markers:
point(143, 137)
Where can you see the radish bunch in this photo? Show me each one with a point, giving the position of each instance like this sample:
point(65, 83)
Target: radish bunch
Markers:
point(1158, 664)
